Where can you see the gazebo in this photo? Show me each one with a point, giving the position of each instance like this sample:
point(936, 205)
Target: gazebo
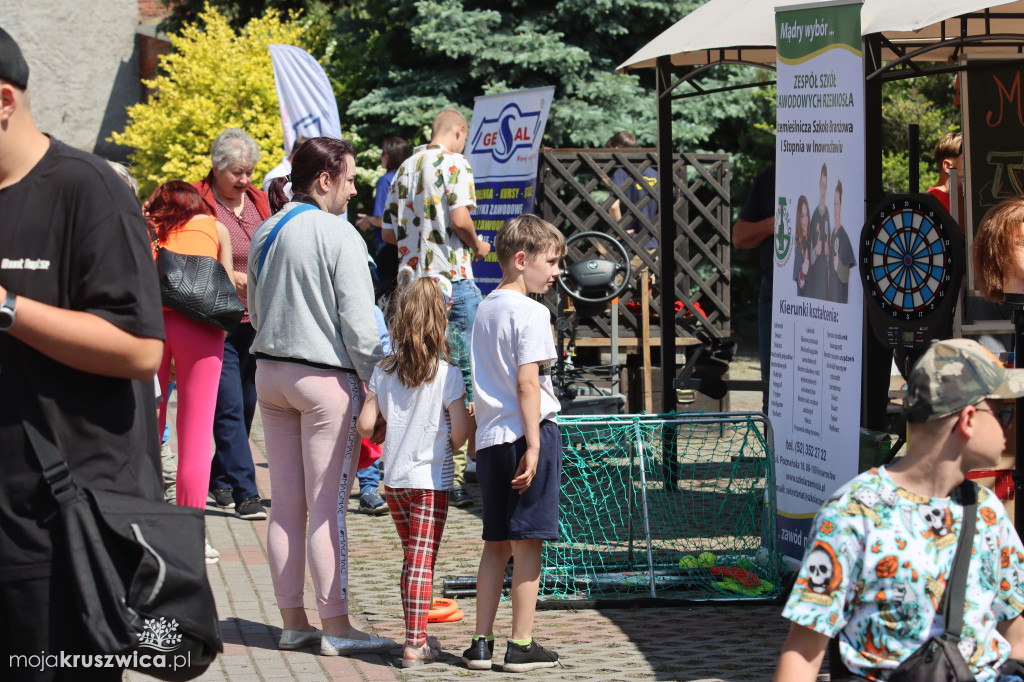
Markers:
point(900, 40)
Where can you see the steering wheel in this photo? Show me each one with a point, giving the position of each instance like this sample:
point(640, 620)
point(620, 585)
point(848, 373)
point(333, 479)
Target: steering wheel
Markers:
point(595, 278)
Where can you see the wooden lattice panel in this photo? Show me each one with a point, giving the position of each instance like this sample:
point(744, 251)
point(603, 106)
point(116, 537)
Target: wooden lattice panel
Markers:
point(575, 193)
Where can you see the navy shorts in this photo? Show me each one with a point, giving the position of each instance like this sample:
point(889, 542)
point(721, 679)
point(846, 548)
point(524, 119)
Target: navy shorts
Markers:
point(534, 514)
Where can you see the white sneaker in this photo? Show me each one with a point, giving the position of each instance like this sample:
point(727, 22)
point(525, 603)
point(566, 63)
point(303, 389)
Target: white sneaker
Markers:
point(212, 555)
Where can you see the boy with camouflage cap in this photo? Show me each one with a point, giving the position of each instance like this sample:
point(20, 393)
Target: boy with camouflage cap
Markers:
point(883, 544)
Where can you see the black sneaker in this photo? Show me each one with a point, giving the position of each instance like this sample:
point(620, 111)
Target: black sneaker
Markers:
point(523, 659)
point(251, 509)
point(459, 497)
point(222, 498)
point(478, 655)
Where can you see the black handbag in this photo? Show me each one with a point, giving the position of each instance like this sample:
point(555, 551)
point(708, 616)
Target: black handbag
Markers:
point(139, 572)
point(939, 659)
point(198, 287)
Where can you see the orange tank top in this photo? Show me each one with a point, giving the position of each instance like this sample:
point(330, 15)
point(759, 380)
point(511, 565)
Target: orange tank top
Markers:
point(197, 237)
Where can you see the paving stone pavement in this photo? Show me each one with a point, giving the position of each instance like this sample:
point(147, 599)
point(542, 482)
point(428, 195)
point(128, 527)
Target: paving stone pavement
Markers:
point(726, 642)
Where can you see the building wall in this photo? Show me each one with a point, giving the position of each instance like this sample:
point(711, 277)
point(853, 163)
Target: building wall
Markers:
point(83, 66)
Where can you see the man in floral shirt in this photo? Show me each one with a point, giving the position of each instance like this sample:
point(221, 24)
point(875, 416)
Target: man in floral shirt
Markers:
point(876, 569)
point(427, 216)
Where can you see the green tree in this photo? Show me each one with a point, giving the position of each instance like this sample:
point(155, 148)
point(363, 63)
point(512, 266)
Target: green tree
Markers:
point(417, 56)
point(928, 102)
point(238, 13)
point(403, 60)
point(197, 97)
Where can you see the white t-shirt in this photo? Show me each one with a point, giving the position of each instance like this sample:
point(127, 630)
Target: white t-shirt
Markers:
point(510, 330)
point(279, 171)
point(418, 448)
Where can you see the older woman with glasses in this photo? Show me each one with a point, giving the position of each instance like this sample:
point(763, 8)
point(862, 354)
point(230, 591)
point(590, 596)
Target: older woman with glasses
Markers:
point(241, 207)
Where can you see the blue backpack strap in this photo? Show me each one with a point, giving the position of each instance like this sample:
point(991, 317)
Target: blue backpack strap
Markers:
point(277, 228)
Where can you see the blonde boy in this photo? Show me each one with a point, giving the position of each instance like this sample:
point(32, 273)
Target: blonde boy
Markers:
point(519, 448)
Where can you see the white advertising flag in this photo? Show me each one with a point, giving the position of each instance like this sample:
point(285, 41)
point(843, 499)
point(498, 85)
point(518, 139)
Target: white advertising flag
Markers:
point(308, 107)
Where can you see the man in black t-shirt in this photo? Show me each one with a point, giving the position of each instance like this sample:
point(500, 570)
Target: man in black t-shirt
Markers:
point(843, 258)
point(635, 190)
point(755, 229)
point(81, 336)
point(821, 231)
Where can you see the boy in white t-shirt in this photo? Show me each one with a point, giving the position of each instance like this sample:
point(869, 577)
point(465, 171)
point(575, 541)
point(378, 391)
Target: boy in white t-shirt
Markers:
point(518, 446)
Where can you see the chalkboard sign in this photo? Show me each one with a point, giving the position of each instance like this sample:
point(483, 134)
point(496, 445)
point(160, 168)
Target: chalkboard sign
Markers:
point(995, 137)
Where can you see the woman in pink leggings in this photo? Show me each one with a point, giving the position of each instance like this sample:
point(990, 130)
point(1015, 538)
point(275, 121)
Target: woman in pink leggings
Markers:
point(311, 303)
point(182, 222)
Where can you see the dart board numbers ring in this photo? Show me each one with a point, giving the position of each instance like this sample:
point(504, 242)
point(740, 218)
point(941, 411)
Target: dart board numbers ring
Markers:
point(912, 264)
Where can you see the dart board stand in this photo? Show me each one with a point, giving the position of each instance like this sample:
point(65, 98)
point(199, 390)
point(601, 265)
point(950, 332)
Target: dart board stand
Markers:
point(912, 266)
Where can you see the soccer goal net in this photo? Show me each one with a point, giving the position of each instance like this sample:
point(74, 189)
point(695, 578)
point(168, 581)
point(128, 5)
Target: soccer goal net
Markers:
point(665, 506)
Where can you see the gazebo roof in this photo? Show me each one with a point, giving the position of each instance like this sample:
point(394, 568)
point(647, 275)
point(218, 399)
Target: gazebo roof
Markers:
point(744, 30)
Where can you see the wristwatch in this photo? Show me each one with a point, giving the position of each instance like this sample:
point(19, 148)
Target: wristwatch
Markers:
point(7, 312)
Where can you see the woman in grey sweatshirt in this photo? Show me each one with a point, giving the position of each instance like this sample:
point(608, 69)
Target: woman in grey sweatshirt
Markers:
point(311, 303)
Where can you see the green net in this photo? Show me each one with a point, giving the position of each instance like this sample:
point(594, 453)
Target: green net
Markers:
point(665, 506)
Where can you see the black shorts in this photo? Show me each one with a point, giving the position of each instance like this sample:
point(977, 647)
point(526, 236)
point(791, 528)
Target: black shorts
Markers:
point(534, 514)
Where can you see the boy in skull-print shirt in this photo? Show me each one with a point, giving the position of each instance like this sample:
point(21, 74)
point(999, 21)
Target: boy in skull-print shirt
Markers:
point(882, 547)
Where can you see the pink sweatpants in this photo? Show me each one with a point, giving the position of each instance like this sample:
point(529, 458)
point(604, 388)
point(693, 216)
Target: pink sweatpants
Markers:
point(198, 350)
point(309, 423)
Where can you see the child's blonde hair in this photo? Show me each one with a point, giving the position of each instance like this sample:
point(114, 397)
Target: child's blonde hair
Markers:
point(527, 233)
point(418, 338)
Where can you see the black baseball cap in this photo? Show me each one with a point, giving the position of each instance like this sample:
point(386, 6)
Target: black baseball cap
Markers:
point(13, 67)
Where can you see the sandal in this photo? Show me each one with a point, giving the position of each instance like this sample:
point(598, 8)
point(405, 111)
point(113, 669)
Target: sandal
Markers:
point(428, 653)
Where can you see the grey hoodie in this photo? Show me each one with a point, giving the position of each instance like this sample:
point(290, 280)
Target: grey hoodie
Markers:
point(314, 298)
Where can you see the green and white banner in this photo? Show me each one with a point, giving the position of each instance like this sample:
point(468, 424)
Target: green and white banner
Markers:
point(817, 314)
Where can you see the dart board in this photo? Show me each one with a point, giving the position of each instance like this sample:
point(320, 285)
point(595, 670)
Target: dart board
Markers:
point(912, 265)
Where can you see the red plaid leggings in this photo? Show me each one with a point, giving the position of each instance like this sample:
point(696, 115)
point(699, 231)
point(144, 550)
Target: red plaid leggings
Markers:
point(419, 518)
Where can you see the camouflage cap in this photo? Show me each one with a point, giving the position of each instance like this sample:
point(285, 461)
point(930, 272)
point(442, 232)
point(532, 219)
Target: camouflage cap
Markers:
point(955, 373)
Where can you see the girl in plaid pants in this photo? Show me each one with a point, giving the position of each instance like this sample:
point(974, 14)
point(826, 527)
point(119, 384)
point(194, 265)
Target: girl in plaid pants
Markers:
point(420, 397)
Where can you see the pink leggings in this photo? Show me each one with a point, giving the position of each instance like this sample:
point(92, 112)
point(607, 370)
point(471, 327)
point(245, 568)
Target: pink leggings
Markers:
point(198, 350)
point(309, 423)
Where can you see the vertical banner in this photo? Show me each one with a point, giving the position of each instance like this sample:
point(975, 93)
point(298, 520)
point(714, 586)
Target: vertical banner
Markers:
point(817, 308)
point(308, 107)
point(503, 147)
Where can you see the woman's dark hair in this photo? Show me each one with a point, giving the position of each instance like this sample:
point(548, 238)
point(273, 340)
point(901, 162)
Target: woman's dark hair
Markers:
point(395, 150)
point(173, 204)
point(317, 155)
point(803, 232)
point(621, 140)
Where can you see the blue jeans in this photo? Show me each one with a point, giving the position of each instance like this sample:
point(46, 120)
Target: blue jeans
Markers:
point(764, 338)
point(466, 298)
point(232, 465)
point(369, 478)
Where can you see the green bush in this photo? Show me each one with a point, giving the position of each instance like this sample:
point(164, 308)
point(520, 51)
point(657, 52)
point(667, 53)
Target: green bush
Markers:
point(215, 78)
